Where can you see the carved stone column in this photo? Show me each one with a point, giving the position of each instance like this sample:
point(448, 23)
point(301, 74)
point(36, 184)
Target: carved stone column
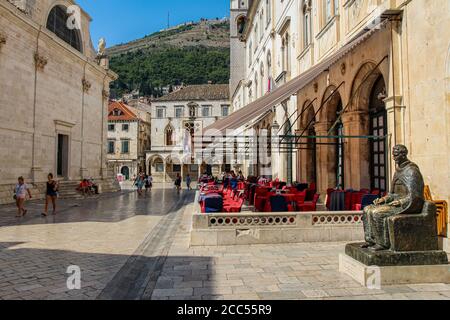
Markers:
point(356, 150)
point(302, 160)
point(326, 159)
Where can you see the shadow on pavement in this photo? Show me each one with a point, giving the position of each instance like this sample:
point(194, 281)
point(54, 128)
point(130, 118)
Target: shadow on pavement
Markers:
point(39, 274)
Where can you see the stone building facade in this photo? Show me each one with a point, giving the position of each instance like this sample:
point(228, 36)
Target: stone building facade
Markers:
point(54, 95)
point(371, 74)
point(128, 138)
point(176, 119)
point(269, 38)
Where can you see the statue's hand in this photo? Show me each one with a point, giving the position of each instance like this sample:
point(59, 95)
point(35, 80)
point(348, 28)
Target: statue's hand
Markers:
point(380, 201)
point(396, 204)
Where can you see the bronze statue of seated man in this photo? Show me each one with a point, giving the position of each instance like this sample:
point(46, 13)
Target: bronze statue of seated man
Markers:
point(406, 197)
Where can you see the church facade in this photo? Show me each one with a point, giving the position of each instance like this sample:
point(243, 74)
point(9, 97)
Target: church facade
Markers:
point(54, 95)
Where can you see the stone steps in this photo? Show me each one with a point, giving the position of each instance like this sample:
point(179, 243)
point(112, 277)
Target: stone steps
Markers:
point(67, 190)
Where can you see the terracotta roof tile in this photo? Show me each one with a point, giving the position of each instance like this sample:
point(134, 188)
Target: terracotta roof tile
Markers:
point(127, 114)
point(198, 93)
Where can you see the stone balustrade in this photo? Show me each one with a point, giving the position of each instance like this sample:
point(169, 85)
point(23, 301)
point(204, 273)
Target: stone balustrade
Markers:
point(275, 228)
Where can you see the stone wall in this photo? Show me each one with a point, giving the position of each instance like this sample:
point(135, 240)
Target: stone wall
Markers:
point(48, 88)
point(425, 76)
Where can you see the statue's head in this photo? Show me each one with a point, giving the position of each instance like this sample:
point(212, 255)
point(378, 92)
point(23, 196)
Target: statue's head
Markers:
point(400, 153)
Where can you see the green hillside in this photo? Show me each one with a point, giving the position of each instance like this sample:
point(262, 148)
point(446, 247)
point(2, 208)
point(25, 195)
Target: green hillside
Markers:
point(193, 54)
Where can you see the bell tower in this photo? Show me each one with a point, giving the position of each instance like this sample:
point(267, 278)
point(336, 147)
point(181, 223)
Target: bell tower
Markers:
point(238, 18)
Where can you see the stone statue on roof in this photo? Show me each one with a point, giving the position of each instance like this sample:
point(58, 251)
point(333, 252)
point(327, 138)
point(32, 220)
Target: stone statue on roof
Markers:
point(101, 47)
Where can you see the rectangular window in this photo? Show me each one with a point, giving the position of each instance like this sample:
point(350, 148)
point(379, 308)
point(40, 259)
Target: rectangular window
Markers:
point(225, 111)
point(206, 111)
point(111, 147)
point(125, 146)
point(125, 127)
point(111, 127)
point(328, 10)
point(160, 113)
point(179, 112)
point(176, 168)
point(250, 53)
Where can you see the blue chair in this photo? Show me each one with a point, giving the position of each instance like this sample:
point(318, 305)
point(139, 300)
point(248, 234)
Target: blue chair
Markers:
point(278, 204)
point(213, 204)
point(234, 183)
point(368, 200)
point(302, 187)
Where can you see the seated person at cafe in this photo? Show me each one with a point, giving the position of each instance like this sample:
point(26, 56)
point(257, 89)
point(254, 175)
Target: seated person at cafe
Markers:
point(93, 186)
point(84, 187)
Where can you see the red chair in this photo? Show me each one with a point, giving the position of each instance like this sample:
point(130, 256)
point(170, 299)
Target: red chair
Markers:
point(356, 199)
point(299, 199)
point(329, 192)
point(236, 207)
point(310, 206)
point(348, 200)
point(260, 198)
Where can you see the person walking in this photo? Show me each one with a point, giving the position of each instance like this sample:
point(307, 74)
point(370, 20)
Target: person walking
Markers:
point(188, 182)
point(20, 194)
point(178, 182)
point(150, 182)
point(51, 194)
point(140, 184)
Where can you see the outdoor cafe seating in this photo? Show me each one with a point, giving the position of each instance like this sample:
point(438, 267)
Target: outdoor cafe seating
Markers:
point(268, 196)
point(350, 200)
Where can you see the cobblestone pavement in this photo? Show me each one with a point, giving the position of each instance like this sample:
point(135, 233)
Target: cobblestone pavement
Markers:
point(100, 235)
point(131, 247)
point(269, 272)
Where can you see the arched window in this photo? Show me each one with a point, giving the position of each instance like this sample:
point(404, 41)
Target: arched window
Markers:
point(269, 11)
point(269, 71)
point(57, 23)
point(256, 86)
point(192, 110)
point(261, 71)
point(169, 136)
point(240, 24)
point(286, 52)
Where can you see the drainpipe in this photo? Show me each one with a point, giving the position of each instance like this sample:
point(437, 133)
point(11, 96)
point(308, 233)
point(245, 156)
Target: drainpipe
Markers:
point(82, 168)
point(34, 167)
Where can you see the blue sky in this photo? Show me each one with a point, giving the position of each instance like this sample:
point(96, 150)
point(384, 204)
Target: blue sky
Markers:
point(120, 21)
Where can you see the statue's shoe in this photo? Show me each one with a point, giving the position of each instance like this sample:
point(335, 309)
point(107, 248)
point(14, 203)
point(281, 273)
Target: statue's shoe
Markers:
point(367, 245)
point(377, 248)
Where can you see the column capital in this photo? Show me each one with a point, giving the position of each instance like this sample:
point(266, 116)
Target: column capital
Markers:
point(354, 116)
point(322, 127)
point(394, 102)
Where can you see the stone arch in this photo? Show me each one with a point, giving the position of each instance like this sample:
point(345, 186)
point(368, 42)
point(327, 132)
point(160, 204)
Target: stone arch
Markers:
point(308, 115)
point(73, 37)
point(155, 163)
point(331, 105)
point(240, 22)
point(308, 148)
point(362, 86)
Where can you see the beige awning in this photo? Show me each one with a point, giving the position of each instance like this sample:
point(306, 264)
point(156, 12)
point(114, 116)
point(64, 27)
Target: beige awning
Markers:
point(284, 92)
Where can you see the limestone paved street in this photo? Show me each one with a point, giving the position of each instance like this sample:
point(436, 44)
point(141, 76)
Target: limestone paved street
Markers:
point(131, 247)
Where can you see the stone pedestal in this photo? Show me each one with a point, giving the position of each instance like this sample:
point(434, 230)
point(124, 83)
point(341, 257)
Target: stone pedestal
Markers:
point(375, 277)
point(392, 258)
point(374, 269)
